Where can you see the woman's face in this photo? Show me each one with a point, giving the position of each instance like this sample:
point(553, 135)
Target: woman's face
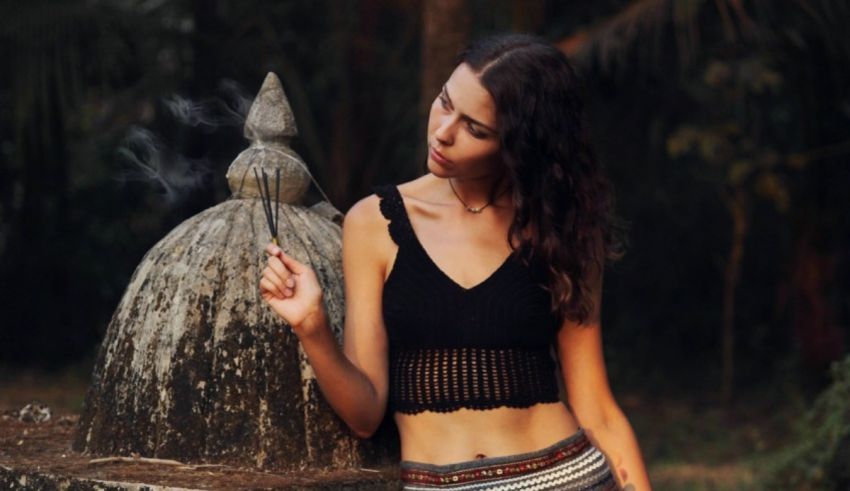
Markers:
point(462, 128)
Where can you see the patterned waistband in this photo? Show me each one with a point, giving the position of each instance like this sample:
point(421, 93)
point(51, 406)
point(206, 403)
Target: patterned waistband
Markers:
point(565, 460)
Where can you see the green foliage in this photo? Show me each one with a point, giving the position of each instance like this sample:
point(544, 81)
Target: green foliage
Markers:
point(818, 456)
point(736, 93)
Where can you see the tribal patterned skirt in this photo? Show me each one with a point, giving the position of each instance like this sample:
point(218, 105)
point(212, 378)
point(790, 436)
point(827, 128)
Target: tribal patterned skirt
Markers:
point(571, 464)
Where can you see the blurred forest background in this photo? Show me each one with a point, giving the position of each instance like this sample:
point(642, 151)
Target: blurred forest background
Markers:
point(724, 124)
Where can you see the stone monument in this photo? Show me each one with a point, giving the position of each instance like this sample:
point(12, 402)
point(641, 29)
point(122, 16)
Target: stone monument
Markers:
point(194, 366)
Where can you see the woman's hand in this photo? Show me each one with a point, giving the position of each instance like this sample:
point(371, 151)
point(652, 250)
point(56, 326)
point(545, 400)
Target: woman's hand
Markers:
point(292, 290)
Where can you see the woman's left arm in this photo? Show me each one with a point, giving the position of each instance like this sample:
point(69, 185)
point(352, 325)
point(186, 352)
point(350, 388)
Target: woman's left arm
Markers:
point(590, 398)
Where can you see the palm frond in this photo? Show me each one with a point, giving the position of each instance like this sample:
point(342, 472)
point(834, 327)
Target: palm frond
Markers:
point(647, 29)
point(610, 41)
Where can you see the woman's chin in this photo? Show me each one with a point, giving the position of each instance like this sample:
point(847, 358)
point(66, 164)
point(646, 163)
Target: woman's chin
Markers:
point(437, 169)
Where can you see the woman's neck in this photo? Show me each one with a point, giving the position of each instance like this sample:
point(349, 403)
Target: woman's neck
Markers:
point(478, 191)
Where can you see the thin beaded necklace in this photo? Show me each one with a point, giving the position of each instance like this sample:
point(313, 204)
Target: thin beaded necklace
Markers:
point(473, 209)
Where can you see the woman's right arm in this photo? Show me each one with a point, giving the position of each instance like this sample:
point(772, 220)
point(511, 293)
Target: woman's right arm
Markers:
point(353, 380)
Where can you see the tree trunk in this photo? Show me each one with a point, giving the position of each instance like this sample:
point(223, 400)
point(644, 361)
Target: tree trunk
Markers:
point(738, 209)
point(38, 221)
point(445, 31)
point(528, 15)
point(819, 339)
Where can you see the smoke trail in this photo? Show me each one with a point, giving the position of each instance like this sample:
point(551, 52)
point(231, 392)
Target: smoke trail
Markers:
point(152, 161)
point(229, 110)
point(236, 104)
point(194, 114)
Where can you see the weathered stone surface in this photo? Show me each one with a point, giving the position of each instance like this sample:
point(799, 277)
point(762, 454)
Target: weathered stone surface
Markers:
point(194, 365)
point(270, 116)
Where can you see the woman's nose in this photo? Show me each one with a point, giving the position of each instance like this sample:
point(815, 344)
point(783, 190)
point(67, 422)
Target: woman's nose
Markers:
point(445, 131)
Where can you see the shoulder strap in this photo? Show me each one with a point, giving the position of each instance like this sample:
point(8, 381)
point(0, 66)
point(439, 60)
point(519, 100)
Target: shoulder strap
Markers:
point(392, 207)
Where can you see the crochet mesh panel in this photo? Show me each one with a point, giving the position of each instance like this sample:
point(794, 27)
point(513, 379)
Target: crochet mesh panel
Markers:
point(446, 379)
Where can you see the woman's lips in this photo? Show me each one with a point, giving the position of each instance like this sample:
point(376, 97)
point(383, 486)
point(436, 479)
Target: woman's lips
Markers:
point(438, 157)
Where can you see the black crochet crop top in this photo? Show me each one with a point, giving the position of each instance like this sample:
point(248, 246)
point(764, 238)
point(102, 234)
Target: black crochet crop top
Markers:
point(452, 347)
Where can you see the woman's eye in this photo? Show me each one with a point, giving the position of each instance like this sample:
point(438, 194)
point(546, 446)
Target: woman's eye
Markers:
point(474, 132)
point(472, 129)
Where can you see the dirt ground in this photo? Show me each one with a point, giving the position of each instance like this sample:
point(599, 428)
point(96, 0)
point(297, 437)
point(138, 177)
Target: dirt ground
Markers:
point(46, 448)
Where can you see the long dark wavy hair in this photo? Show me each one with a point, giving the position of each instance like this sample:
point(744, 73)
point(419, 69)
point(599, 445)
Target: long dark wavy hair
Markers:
point(561, 194)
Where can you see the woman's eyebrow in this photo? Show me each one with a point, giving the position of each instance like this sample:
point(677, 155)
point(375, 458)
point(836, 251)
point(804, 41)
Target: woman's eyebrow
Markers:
point(479, 123)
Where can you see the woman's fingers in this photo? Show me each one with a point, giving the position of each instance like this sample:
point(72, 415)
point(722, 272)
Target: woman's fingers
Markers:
point(267, 285)
point(278, 279)
point(283, 271)
point(274, 285)
point(290, 262)
point(277, 266)
point(272, 249)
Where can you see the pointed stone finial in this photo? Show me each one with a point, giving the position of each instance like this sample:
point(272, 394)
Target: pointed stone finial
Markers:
point(270, 117)
point(270, 126)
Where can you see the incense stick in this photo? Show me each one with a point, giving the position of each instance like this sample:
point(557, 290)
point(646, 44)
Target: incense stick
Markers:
point(276, 201)
point(265, 198)
point(269, 206)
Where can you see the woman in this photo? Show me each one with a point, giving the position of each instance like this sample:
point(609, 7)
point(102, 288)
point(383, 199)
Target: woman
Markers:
point(465, 287)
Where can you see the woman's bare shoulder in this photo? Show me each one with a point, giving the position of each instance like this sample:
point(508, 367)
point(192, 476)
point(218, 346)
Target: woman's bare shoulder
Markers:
point(364, 219)
point(419, 189)
point(367, 211)
point(365, 238)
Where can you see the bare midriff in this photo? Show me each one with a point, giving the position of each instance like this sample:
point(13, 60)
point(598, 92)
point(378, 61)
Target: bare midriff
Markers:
point(468, 434)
